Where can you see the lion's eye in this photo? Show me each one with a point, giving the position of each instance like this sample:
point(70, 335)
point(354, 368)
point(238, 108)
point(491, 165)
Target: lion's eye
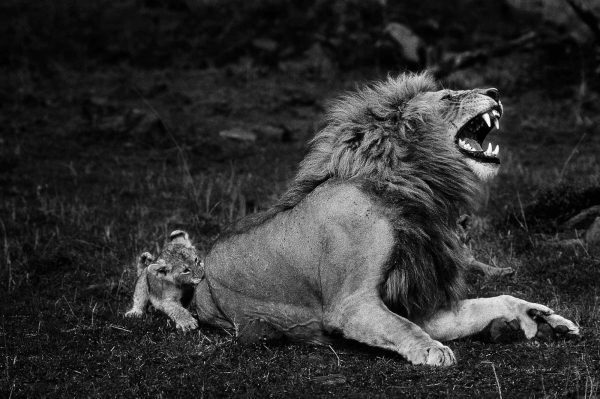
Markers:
point(447, 97)
point(186, 271)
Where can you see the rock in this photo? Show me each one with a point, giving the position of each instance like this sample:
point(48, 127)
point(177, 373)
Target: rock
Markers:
point(141, 125)
point(113, 124)
point(144, 125)
point(315, 60)
point(411, 45)
point(238, 134)
point(273, 133)
point(265, 44)
point(98, 101)
point(559, 13)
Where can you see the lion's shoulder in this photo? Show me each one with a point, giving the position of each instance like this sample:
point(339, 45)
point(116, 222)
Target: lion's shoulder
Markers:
point(336, 198)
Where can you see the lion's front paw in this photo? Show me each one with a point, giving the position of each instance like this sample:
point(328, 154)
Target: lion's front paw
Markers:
point(540, 321)
point(434, 354)
point(134, 313)
point(187, 324)
point(552, 326)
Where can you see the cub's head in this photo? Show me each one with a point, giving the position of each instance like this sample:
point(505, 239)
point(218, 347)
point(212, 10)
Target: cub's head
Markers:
point(178, 263)
point(468, 117)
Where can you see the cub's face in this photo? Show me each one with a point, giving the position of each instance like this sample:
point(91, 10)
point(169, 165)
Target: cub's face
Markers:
point(470, 115)
point(178, 264)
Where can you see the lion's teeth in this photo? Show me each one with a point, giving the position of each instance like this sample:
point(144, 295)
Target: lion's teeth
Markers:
point(489, 149)
point(496, 150)
point(497, 124)
point(496, 113)
point(487, 120)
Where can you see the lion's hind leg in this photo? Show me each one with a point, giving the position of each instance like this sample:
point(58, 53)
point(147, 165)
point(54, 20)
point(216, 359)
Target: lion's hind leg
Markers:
point(366, 319)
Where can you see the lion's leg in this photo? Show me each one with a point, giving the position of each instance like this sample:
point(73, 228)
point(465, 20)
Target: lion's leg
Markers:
point(367, 320)
point(473, 316)
point(140, 297)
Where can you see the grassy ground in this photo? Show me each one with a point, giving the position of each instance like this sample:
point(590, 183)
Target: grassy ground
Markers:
point(98, 166)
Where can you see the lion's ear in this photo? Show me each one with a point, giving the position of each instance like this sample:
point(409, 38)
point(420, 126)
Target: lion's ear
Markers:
point(159, 269)
point(180, 237)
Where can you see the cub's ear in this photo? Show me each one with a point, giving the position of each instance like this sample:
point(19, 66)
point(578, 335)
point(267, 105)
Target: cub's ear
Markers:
point(146, 258)
point(180, 237)
point(143, 261)
point(159, 269)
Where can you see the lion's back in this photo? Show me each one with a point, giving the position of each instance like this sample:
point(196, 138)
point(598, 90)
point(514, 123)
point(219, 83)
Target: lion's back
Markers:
point(290, 267)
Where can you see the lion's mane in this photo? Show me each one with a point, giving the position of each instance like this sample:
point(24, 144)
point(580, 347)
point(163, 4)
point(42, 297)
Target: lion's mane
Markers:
point(394, 144)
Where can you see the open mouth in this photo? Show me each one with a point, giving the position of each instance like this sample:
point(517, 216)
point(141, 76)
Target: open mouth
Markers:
point(470, 138)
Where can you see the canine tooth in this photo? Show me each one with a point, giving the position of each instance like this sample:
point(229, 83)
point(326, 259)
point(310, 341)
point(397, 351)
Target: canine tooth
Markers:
point(487, 120)
point(489, 149)
point(496, 150)
point(497, 124)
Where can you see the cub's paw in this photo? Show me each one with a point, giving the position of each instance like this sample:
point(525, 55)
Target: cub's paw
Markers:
point(434, 354)
point(134, 313)
point(187, 324)
point(551, 326)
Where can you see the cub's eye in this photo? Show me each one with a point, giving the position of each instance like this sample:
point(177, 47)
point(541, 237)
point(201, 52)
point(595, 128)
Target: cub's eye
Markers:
point(186, 271)
point(196, 260)
point(447, 97)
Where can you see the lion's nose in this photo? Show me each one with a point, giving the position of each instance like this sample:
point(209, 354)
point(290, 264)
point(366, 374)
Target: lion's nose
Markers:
point(493, 93)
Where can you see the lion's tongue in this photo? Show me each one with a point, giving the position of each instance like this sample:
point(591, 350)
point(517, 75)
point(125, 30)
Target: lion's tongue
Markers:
point(474, 144)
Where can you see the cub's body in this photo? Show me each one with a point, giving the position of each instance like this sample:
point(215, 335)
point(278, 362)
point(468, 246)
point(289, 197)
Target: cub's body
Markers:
point(168, 282)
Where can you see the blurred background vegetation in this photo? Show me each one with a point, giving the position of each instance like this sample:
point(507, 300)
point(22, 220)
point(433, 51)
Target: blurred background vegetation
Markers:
point(277, 33)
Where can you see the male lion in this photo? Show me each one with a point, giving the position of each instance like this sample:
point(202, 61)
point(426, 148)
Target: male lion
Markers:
point(363, 245)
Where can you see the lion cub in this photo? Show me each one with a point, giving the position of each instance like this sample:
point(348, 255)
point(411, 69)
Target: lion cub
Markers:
point(169, 281)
